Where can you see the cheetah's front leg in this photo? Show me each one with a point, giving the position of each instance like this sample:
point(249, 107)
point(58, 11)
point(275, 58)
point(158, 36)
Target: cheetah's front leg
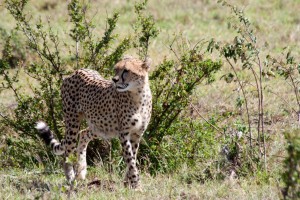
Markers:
point(135, 139)
point(132, 174)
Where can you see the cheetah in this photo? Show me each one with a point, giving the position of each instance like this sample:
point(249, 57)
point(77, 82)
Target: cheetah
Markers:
point(118, 108)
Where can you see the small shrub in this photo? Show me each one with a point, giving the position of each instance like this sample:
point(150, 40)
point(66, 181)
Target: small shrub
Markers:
point(244, 53)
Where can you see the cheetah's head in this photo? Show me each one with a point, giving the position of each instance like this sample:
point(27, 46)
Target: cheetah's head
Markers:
point(131, 74)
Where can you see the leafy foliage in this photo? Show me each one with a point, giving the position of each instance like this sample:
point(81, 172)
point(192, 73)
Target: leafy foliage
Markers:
point(179, 78)
point(144, 28)
point(286, 66)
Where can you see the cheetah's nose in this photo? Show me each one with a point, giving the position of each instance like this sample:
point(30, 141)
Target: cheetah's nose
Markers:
point(115, 79)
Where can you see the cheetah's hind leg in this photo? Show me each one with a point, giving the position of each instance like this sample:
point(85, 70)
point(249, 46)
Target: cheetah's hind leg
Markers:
point(72, 130)
point(85, 136)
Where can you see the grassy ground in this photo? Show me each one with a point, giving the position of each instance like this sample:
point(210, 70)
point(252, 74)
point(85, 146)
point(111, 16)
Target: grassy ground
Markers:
point(277, 25)
point(34, 184)
point(276, 22)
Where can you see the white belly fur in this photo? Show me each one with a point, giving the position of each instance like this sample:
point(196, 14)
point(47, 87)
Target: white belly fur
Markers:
point(101, 133)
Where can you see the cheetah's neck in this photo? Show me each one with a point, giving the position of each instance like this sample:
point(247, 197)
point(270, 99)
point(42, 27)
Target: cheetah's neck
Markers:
point(140, 96)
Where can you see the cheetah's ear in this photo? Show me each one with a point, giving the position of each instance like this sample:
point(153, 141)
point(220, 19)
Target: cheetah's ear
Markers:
point(147, 63)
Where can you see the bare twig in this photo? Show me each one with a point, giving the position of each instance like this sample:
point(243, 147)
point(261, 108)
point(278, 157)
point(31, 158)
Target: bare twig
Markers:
point(258, 92)
point(285, 101)
point(77, 54)
point(246, 101)
point(261, 112)
point(295, 90)
point(215, 127)
point(172, 49)
point(32, 39)
point(10, 85)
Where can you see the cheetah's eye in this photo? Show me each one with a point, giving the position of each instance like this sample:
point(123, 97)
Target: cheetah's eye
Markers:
point(124, 74)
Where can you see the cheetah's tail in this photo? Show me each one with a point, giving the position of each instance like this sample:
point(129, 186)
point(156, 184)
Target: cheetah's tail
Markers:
point(46, 134)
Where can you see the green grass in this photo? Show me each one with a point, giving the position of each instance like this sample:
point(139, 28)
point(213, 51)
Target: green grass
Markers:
point(34, 184)
point(277, 25)
point(277, 22)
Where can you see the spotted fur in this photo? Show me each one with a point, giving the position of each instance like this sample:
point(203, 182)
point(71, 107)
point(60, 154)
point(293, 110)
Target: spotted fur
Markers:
point(119, 108)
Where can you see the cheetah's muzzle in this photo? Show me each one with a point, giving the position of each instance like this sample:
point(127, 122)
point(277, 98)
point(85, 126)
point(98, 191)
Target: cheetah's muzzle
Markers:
point(122, 86)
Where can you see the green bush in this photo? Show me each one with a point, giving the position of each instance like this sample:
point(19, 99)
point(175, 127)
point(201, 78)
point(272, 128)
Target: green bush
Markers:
point(178, 77)
point(170, 140)
point(48, 69)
